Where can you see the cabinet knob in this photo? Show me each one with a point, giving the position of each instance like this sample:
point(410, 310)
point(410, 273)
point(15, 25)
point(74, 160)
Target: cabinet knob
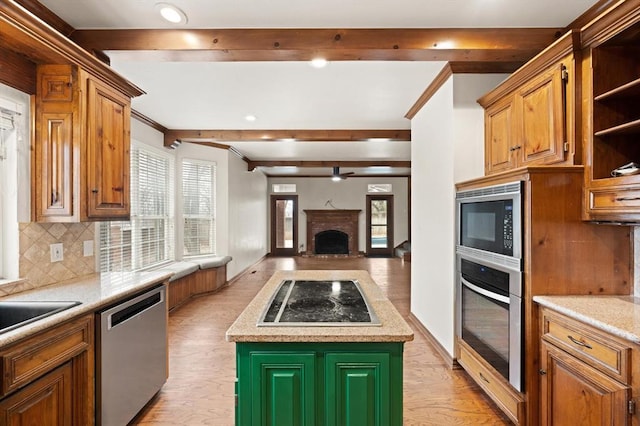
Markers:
point(94, 190)
point(542, 372)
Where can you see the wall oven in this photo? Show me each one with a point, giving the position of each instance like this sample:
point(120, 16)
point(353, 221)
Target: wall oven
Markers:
point(489, 314)
point(489, 276)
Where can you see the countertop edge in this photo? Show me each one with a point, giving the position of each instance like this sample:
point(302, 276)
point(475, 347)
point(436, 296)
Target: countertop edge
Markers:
point(556, 305)
point(141, 283)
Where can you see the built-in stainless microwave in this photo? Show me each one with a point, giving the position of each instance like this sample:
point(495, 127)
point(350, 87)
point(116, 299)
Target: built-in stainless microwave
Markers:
point(490, 219)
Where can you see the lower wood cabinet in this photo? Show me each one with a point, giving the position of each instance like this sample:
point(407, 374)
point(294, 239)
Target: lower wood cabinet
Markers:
point(45, 402)
point(585, 374)
point(47, 379)
point(333, 384)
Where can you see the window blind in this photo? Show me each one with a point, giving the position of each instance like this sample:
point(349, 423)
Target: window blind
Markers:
point(148, 238)
point(198, 198)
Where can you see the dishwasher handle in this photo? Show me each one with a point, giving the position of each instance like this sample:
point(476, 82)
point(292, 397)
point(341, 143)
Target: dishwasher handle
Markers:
point(134, 307)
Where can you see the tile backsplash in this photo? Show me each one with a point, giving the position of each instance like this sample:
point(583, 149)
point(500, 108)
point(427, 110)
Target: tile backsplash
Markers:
point(35, 260)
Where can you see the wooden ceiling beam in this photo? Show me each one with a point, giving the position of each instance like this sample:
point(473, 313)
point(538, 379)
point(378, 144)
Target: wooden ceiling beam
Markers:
point(511, 45)
point(327, 163)
point(299, 135)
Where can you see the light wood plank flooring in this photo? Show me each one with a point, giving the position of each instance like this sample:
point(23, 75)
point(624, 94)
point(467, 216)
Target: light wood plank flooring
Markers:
point(200, 389)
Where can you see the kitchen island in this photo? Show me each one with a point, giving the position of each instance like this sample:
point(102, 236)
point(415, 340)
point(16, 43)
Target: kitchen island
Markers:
point(319, 374)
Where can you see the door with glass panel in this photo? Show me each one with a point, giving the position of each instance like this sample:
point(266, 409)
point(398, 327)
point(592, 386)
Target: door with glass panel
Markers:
point(379, 225)
point(284, 225)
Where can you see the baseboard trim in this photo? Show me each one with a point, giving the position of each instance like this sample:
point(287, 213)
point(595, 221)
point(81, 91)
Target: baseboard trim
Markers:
point(444, 354)
point(245, 270)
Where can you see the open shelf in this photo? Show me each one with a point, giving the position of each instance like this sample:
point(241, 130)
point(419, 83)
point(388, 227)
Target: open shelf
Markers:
point(629, 90)
point(629, 128)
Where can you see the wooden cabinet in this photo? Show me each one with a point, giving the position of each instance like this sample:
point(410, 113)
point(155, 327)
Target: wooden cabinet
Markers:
point(585, 374)
point(562, 254)
point(529, 118)
point(510, 401)
point(611, 113)
point(334, 384)
point(45, 402)
point(81, 153)
point(48, 378)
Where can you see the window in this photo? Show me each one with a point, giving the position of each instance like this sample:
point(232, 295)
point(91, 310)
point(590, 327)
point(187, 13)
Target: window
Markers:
point(6, 127)
point(283, 187)
point(198, 198)
point(14, 176)
point(379, 187)
point(147, 239)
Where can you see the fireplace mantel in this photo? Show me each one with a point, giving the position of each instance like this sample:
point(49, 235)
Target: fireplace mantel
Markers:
point(333, 219)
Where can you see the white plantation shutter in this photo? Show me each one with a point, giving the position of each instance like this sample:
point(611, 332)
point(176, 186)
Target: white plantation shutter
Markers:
point(147, 239)
point(199, 208)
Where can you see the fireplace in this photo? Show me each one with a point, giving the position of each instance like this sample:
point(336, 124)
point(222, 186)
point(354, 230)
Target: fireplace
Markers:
point(329, 230)
point(331, 242)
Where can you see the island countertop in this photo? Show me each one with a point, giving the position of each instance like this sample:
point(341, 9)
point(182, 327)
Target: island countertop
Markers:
point(393, 327)
point(618, 315)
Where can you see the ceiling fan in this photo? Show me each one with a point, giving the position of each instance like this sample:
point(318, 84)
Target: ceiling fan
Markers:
point(336, 175)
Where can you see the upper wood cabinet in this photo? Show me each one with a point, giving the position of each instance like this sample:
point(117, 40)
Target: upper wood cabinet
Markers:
point(611, 113)
point(81, 153)
point(529, 118)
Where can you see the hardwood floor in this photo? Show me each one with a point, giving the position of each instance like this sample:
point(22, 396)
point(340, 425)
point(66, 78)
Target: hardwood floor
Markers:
point(200, 389)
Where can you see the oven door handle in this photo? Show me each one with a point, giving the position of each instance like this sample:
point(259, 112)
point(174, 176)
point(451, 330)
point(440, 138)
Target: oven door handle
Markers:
point(486, 293)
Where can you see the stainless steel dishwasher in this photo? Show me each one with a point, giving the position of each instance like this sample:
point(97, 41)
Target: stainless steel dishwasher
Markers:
point(131, 358)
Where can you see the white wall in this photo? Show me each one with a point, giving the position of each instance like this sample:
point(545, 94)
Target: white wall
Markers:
point(313, 194)
point(247, 216)
point(447, 146)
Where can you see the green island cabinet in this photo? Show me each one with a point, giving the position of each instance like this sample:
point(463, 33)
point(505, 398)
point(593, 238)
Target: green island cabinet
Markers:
point(327, 375)
point(319, 383)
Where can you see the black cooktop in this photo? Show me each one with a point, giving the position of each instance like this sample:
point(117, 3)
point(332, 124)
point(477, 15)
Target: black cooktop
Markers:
point(309, 303)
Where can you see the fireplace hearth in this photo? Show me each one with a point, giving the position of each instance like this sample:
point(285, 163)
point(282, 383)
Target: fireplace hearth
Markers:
point(332, 227)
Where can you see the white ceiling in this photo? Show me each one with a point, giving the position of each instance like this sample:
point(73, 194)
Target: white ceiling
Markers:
point(293, 95)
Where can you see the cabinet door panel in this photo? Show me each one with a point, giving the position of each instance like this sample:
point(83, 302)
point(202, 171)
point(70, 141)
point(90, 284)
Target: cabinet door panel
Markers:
point(574, 393)
point(46, 402)
point(498, 137)
point(541, 109)
point(283, 389)
point(357, 389)
point(107, 153)
point(54, 160)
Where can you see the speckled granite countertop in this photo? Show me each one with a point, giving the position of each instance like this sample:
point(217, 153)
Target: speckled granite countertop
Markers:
point(393, 329)
point(618, 315)
point(94, 292)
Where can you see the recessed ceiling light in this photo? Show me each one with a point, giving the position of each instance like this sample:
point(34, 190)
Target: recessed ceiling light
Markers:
point(250, 117)
point(318, 62)
point(171, 13)
point(444, 44)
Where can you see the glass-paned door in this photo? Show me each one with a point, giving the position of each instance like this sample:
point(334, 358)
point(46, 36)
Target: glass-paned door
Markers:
point(284, 225)
point(379, 225)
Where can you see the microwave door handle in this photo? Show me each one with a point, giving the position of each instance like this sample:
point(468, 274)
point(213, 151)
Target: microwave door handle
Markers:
point(486, 293)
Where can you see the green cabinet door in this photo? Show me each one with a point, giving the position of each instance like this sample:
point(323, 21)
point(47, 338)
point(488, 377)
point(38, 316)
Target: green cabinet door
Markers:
point(323, 384)
point(357, 389)
point(283, 389)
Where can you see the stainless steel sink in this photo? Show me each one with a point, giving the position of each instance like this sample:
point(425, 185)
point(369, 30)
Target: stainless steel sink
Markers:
point(14, 314)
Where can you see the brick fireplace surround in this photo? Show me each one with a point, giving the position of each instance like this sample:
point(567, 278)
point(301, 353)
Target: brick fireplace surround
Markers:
point(339, 220)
